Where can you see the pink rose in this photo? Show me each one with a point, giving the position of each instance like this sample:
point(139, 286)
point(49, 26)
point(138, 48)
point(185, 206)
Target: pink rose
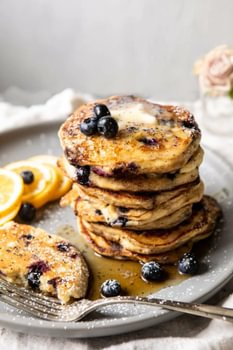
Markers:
point(215, 71)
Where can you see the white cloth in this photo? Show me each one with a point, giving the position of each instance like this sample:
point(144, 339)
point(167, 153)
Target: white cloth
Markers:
point(184, 332)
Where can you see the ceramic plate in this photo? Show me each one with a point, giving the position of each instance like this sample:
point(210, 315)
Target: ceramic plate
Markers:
point(218, 177)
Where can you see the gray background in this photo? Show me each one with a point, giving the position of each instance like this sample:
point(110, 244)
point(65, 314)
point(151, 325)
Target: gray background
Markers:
point(110, 46)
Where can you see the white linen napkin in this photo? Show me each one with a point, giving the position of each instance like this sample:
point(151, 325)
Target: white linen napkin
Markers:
point(184, 332)
point(57, 107)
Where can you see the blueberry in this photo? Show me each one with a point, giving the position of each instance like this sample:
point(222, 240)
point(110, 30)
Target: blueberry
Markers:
point(28, 176)
point(98, 212)
point(89, 126)
point(110, 288)
point(108, 127)
point(35, 271)
point(82, 174)
point(120, 221)
point(132, 167)
point(171, 176)
point(189, 123)
point(34, 279)
point(101, 111)
point(149, 141)
point(27, 212)
point(152, 271)
point(63, 247)
point(123, 209)
point(29, 236)
point(188, 264)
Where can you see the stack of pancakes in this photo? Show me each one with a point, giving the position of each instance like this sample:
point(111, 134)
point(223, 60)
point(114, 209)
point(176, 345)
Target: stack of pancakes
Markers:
point(141, 196)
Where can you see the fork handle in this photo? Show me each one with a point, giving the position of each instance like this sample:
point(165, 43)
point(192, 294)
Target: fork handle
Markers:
point(204, 310)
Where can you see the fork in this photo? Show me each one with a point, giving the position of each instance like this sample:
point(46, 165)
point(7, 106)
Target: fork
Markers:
point(51, 309)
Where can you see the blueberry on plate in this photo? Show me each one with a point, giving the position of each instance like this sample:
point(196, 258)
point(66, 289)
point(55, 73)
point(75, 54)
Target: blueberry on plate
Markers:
point(101, 110)
point(110, 288)
point(27, 176)
point(151, 271)
point(108, 127)
point(89, 126)
point(27, 212)
point(82, 174)
point(188, 264)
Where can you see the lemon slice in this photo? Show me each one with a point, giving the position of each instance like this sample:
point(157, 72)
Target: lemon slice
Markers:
point(10, 215)
point(11, 190)
point(43, 188)
point(64, 182)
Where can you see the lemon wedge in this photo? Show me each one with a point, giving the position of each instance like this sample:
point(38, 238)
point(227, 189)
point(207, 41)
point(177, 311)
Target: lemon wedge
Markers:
point(11, 190)
point(64, 184)
point(45, 183)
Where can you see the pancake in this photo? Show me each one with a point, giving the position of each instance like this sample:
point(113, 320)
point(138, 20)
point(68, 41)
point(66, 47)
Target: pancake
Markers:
point(192, 163)
point(59, 268)
point(138, 218)
point(89, 213)
point(140, 183)
point(151, 139)
point(144, 183)
point(130, 200)
point(202, 222)
point(114, 250)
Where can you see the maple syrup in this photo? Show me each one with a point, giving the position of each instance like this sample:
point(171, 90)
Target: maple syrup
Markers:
point(128, 273)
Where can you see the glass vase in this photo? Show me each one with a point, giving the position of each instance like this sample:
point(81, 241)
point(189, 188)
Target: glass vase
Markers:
point(218, 114)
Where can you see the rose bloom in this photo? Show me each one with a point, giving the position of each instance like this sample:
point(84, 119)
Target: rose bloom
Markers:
point(215, 71)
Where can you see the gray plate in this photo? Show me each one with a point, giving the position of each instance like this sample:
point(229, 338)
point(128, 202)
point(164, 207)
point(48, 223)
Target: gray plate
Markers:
point(218, 178)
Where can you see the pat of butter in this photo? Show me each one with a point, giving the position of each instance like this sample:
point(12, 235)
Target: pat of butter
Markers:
point(133, 114)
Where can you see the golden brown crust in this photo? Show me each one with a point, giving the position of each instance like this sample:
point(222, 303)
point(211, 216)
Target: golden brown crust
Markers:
point(201, 223)
point(114, 250)
point(175, 131)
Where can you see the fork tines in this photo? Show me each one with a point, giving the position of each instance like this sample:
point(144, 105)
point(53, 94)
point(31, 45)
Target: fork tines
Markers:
point(37, 304)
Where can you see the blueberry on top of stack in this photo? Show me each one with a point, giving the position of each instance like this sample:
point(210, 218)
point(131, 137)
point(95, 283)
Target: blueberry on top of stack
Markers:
point(135, 171)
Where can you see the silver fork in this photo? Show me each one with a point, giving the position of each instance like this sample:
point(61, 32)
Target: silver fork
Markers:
point(51, 309)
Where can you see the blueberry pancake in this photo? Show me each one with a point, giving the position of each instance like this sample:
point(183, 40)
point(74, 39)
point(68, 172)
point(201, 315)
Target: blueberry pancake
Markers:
point(151, 139)
point(122, 199)
point(139, 183)
point(88, 213)
point(97, 210)
point(166, 215)
point(108, 248)
point(32, 258)
point(200, 225)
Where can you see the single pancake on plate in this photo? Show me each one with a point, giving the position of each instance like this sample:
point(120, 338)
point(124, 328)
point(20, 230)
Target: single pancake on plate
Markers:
point(31, 257)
